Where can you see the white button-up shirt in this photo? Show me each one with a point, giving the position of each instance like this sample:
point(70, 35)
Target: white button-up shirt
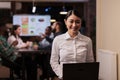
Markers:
point(70, 50)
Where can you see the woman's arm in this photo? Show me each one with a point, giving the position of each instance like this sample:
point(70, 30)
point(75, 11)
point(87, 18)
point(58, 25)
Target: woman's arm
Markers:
point(90, 56)
point(54, 61)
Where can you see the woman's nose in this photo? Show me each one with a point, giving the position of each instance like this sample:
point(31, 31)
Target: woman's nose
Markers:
point(74, 24)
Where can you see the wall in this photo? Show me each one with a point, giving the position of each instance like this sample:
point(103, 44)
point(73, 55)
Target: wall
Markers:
point(108, 26)
point(49, 0)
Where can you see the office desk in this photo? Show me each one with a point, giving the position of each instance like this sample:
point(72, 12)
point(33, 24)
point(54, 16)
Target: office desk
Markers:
point(26, 51)
point(29, 52)
point(22, 52)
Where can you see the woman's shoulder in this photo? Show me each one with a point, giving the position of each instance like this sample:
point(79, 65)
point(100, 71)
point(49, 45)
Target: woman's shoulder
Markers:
point(61, 36)
point(85, 38)
point(11, 38)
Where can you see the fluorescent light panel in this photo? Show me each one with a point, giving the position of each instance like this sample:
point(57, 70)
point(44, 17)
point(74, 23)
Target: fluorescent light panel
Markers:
point(63, 12)
point(52, 20)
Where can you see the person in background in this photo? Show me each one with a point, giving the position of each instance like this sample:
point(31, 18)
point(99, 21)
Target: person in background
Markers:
point(45, 43)
point(7, 50)
point(72, 46)
point(46, 38)
point(57, 28)
point(15, 36)
point(8, 25)
point(29, 63)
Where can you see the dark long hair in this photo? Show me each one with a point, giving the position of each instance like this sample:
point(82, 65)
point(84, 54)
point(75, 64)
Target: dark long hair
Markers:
point(15, 27)
point(75, 12)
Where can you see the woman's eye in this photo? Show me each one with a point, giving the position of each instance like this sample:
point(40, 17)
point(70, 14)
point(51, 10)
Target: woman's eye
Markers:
point(71, 21)
point(78, 22)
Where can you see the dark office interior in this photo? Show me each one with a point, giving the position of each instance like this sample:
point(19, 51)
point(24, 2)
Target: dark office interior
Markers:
point(87, 9)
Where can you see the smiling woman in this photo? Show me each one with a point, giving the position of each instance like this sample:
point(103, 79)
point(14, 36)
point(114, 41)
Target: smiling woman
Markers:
point(73, 23)
point(61, 50)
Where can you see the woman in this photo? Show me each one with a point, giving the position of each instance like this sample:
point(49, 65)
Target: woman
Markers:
point(29, 63)
point(15, 36)
point(72, 46)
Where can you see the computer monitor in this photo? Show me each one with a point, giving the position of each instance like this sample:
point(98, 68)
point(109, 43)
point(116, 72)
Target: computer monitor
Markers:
point(81, 71)
point(32, 25)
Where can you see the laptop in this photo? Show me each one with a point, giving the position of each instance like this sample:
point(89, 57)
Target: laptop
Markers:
point(81, 71)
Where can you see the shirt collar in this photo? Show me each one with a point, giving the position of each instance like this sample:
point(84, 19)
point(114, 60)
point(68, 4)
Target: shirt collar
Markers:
point(67, 36)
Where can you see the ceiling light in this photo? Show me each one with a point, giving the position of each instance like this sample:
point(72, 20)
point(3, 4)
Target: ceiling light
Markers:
point(63, 12)
point(34, 9)
point(52, 20)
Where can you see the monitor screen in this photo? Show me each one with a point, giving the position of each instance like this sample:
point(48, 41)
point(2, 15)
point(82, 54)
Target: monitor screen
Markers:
point(32, 25)
point(81, 71)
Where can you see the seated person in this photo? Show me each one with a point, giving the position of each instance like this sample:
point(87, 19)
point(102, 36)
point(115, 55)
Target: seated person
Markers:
point(46, 38)
point(45, 43)
point(7, 50)
point(15, 35)
point(29, 63)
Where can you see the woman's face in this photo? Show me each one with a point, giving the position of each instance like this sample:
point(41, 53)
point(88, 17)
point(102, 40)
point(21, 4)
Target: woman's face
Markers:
point(18, 31)
point(73, 24)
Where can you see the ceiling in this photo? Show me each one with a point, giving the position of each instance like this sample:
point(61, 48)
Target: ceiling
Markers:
point(48, 0)
point(53, 7)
